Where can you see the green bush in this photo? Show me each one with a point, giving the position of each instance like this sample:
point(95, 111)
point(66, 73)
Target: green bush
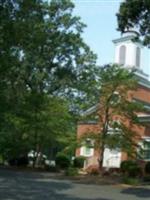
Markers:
point(131, 181)
point(79, 162)
point(71, 171)
point(62, 161)
point(147, 168)
point(146, 178)
point(130, 168)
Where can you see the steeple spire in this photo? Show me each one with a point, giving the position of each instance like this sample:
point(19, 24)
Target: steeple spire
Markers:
point(127, 52)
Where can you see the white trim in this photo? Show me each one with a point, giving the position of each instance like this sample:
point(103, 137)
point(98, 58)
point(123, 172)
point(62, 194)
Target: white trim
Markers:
point(143, 115)
point(112, 158)
point(146, 138)
point(141, 144)
point(90, 110)
point(83, 150)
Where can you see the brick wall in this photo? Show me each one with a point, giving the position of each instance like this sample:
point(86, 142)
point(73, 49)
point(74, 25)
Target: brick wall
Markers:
point(143, 94)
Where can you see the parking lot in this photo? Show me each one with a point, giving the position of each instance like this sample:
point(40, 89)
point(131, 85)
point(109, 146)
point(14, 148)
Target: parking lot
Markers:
point(16, 185)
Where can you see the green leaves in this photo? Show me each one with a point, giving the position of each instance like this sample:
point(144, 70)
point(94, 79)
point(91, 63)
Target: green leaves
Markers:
point(117, 110)
point(46, 69)
point(135, 14)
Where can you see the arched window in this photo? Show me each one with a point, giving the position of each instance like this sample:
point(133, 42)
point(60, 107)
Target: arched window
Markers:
point(138, 56)
point(122, 55)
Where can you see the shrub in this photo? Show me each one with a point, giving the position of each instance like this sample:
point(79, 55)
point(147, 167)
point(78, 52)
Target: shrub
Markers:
point(71, 171)
point(62, 161)
point(130, 168)
point(12, 162)
point(79, 162)
point(146, 178)
point(131, 181)
point(147, 168)
point(23, 161)
point(20, 161)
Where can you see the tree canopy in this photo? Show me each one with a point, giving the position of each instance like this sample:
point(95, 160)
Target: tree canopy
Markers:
point(116, 112)
point(135, 15)
point(47, 72)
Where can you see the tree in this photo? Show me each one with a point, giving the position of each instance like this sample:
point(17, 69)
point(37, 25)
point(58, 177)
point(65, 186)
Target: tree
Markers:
point(135, 14)
point(52, 121)
point(117, 113)
point(44, 65)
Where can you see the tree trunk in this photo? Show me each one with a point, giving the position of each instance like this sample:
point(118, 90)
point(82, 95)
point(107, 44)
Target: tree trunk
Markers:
point(101, 158)
point(104, 133)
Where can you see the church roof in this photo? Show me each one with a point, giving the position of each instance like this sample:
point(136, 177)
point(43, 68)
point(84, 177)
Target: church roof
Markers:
point(129, 37)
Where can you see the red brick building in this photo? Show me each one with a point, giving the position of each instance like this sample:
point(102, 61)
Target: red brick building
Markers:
point(129, 54)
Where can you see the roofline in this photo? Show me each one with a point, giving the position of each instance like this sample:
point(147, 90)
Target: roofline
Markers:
point(88, 122)
point(146, 104)
point(142, 78)
point(90, 111)
point(126, 38)
point(144, 119)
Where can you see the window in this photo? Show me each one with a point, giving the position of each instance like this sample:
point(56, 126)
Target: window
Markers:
point(138, 55)
point(122, 55)
point(87, 151)
point(144, 151)
point(87, 148)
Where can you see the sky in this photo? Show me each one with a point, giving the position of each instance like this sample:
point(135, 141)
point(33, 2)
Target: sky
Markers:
point(100, 18)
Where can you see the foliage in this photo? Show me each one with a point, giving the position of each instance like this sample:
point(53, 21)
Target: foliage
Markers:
point(135, 14)
point(146, 178)
point(130, 168)
point(69, 142)
point(79, 161)
point(20, 161)
point(116, 108)
point(62, 161)
point(71, 171)
point(47, 74)
point(147, 168)
point(131, 181)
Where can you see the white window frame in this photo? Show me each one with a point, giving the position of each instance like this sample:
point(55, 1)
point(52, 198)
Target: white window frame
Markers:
point(147, 139)
point(83, 149)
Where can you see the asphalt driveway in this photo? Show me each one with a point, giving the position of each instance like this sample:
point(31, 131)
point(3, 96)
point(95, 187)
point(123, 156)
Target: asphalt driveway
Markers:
point(34, 186)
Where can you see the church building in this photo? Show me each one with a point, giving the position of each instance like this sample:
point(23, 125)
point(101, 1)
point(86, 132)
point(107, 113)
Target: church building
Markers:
point(128, 54)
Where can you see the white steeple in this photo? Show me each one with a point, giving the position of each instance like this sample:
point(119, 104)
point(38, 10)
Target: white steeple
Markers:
point(129, 53)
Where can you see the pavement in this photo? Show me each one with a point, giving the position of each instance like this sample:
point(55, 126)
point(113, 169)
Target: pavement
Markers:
point(16, 185)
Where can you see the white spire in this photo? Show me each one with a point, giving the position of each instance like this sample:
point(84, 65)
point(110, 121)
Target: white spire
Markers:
point(127, 52)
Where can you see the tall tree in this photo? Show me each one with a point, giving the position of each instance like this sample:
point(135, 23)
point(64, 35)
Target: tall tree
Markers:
point(44, 63)
point(117, 113)
point(135, 14)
